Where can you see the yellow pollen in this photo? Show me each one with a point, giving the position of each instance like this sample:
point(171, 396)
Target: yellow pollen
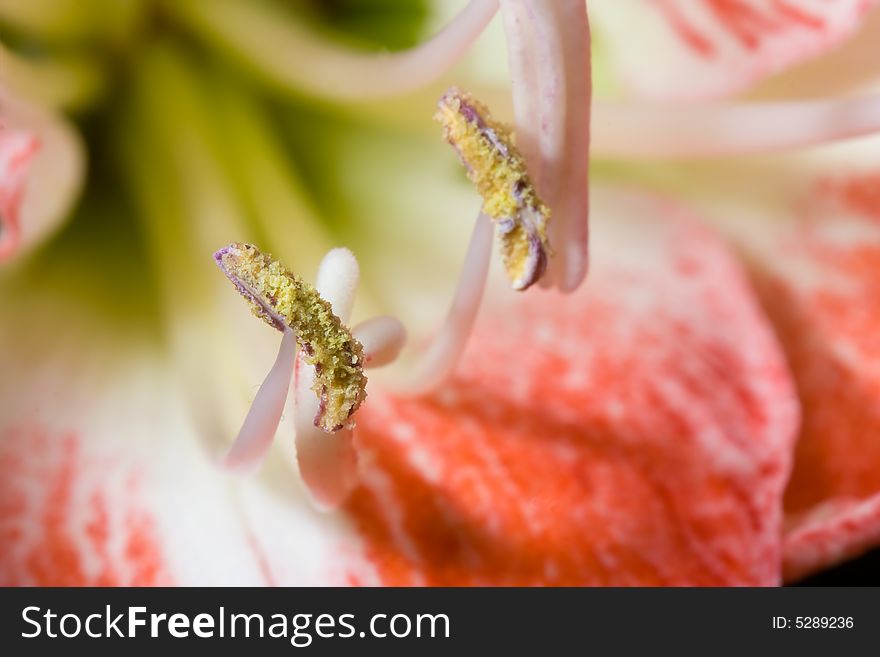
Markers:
point(325, 341)
point(499, 172)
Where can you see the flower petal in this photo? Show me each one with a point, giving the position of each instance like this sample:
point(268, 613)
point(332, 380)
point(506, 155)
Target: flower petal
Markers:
point(831, 535)
point(689, 49)
point(106, 481)
point(635, 433)
point(17, 149)
point(111, 487)
point(65, 522)
point(47, 174)
point(821, 288)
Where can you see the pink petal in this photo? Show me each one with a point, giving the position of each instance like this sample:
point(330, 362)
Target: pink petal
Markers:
point(822, 291)
point(689, 49)
point(17, 149)
point(61, 526)
point(103, 479)
point(832, 534)
point(261, 423)
point(42, 162)
point(637, 432)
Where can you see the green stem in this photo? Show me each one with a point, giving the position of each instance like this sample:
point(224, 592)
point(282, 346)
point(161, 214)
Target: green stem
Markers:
point(73, 21)
point(67, 82)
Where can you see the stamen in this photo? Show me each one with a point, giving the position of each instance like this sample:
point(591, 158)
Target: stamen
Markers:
point(663, 131)
point(549, 55)
point(327, 462)
point(282, 299)
point(264, 416)
point(293, 57)
point(498, 170)
point(439, 360)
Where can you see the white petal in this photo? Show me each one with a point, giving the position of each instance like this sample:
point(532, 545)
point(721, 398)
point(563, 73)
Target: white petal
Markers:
point(697, 49)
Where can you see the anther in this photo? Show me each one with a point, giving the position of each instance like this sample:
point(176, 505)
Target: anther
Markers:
point(494, 165)
point(282, 299)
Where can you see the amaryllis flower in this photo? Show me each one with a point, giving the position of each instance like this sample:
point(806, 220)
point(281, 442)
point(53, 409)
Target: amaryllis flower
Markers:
point(690, 400)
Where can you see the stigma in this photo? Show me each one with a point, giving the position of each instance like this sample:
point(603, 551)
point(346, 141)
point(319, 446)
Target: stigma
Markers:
point(283, 300)
point(499, 171)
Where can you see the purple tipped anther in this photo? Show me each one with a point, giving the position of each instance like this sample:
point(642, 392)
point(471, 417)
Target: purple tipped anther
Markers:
point(523, 232)
point(259, 303)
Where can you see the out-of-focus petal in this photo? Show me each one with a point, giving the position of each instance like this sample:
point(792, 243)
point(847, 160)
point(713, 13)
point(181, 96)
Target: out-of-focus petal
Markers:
point(822, 290)
point(694, 49)
point(105, 482)
point(68, 22)
point(68, 520)
point(829, 535)
point(69, 81)
point(637, 432)
point(54, 174)
point(17, 150)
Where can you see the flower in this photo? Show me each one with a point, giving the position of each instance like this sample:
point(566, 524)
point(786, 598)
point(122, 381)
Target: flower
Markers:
point(697, 412)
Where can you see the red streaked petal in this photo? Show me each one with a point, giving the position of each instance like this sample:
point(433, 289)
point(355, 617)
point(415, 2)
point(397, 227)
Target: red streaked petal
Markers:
point(688, 49)
point(42, 164)
point(831, 534)
point(67, 522)
point(91, 423)
point(822, 291)
point(17, 149)
point(635, 433)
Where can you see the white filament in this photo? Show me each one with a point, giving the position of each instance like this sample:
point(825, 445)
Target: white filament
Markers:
point(294, 57)
point(259, 427)
point(439, 360)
